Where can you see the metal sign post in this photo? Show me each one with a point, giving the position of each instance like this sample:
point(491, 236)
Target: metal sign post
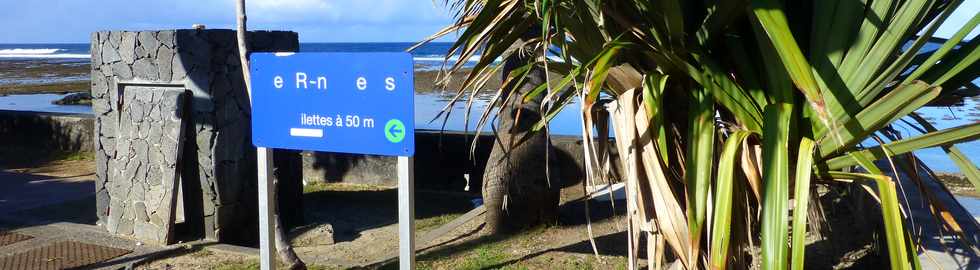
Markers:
point(360, 103)
point(406, 212)
point(267, 204)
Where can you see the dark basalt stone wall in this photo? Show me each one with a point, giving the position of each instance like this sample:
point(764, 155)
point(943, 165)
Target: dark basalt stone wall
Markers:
point(216, 164)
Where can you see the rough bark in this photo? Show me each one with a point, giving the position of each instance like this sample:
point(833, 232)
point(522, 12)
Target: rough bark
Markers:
point(518, 189)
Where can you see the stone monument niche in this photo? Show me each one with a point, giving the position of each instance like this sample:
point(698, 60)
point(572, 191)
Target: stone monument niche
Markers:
point(173, 145)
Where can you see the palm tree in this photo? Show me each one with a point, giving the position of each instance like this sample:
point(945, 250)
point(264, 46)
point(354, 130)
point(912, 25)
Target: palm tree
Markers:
point(720, 107)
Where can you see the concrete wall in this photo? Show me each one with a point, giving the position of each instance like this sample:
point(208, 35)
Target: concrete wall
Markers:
point(53, 131)
point(441, 161)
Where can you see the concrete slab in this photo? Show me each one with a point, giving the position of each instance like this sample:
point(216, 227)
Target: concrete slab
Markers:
point(939, 248)
point(22, 194)
point(60, 255)
point(52, 233)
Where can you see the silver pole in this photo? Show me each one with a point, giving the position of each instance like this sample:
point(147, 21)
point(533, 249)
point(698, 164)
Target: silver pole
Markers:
point(267, 210)
point(406, 213)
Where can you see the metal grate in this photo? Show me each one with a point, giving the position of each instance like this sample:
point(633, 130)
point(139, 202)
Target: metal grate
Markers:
point(7, 238)
point(60, 255)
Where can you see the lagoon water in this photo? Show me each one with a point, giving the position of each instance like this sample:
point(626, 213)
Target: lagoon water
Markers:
point(968, 112)
point(40, 103)
point(427, 107)
point(971, 204)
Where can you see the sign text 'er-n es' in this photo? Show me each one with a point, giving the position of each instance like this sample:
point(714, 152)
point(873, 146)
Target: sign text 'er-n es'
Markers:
point(361, 103)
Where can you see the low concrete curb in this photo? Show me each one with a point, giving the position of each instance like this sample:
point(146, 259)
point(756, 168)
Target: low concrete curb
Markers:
point(66, 132)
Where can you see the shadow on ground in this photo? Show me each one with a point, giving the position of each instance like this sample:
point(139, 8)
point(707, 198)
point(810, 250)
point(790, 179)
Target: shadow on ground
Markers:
point(31, 199)
point(352, 211)
point(553, 239)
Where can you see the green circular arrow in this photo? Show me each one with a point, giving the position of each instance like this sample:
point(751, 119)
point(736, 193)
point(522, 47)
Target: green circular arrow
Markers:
point(395, 131)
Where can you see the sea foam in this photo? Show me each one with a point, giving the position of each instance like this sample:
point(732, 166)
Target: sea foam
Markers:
point(440, 58)
point(39, 53)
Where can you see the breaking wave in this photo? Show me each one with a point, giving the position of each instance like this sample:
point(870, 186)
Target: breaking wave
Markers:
point(40, 53)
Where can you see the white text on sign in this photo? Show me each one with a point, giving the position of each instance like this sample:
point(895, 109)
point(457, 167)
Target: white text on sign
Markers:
point(305, 81)
point(348, 120)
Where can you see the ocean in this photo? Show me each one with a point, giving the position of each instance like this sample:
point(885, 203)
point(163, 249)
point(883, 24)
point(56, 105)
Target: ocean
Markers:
point(15, 58)
point(430, 56)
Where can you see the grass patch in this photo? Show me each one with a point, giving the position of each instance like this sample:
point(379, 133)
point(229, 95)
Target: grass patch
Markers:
point(425, 224)
point(483, 257)
point(246, 265)
point(318, 187)
point(75, 156)
point(202, 254)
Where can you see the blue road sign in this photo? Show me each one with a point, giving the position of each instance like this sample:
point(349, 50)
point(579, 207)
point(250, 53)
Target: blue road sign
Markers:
point(360, 103)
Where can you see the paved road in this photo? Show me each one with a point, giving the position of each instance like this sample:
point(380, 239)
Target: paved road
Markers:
point(20, 191)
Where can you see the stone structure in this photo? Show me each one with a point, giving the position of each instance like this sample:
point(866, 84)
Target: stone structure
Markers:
point(149, 86)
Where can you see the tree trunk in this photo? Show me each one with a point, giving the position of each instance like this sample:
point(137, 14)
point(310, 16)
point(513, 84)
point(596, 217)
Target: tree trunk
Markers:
point(286, 252)
point(289, 202)
point(518, 189)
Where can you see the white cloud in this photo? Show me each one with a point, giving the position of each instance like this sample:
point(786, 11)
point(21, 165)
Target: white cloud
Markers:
point(346, 11)
point(958, 19)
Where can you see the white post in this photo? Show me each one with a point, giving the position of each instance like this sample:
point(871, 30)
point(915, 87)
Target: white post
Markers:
point(267, 204)
point(406, 213)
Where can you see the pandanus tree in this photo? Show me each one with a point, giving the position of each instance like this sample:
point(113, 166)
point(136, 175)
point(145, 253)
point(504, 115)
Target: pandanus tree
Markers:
point(520, 184)
point(716, 103)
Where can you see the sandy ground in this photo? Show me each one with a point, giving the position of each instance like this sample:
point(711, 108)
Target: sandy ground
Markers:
point(469, 247)
point(30, 189)
point(364, 230)
point(202, 259)
point(563, 245)
point(60, 169)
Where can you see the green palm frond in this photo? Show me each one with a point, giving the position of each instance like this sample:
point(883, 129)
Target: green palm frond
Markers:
point(780, 93)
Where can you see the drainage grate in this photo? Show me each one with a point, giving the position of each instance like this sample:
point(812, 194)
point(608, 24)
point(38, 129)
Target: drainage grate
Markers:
point(60, 255)
point(7, 238)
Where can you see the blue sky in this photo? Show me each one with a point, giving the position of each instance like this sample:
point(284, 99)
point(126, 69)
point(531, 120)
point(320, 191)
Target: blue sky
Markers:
point(57, 21)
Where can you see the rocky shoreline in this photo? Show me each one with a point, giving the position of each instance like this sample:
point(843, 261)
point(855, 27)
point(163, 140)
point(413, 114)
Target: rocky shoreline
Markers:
point(43, 77)
point(958, 184)
point(80, 98)
point(27, 77)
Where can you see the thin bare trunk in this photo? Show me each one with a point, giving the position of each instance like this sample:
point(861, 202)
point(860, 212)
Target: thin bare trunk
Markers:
point(243, 47)
point(286, 253)
point(285, 250)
